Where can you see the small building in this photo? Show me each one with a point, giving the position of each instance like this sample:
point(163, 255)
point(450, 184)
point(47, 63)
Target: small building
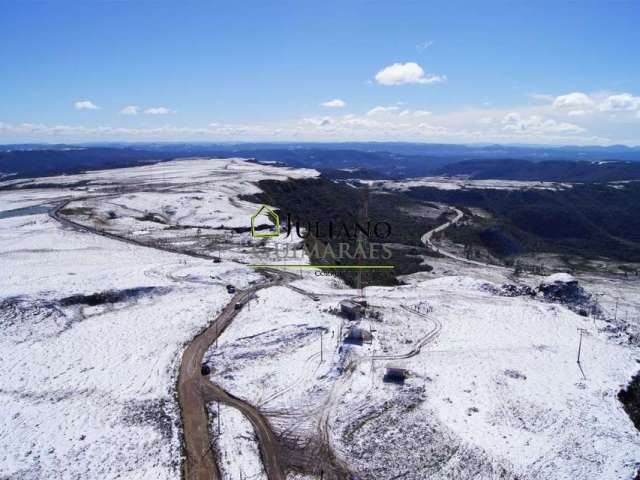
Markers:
point(395, 374)
point(238, 306)
point(231, 289)
point(562, 287)
point(350, 309)
point(205, 369)
point(358, 336)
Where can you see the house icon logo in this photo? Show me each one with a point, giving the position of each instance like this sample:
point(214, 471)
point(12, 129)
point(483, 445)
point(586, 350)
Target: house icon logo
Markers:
point(265, 213)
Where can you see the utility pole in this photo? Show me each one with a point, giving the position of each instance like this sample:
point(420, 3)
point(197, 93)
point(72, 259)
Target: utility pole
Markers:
point(615, 315)
point(582, 330)
point(321, 332)
point(580, 344)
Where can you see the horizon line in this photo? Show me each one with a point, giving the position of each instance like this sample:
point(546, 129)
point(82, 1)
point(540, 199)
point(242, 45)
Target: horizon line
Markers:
point(320, 142)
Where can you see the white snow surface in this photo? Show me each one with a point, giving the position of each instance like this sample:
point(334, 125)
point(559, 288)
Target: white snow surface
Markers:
point(462, 182)
point(89, 394)
point(497, 392)
point(88, 391)
point(558, 277)
point(236, 445)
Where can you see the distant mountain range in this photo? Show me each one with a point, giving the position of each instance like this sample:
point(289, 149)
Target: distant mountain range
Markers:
point(374, 159)
point(547, 171)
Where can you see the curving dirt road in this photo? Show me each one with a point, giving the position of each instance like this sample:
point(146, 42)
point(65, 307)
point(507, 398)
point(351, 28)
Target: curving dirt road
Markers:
point(426, 240)
point(195, 391)
point(428, 338)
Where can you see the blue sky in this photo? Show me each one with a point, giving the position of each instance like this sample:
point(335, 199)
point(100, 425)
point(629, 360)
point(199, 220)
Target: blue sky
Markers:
point(510, 72)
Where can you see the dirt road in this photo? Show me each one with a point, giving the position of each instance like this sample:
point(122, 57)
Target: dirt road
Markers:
point(426, 240)
point(428, 338)
point(195, 391)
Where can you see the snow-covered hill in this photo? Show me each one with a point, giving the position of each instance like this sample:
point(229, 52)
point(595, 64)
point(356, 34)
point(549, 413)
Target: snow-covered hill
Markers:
point(93, 330)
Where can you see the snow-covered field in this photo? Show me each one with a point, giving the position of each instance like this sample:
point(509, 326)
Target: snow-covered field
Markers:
point(93, 329)
point(88, 388)
point(461, 182)
point(87, 391)
point(502, 382)
point(496, 394)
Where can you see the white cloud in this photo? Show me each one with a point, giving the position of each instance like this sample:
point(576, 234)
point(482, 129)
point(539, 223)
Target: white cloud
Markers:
point(462, 126)
point(435, 131)
point(335, 103)
point(130, 110)
point(424, 45)
point(157, 111)
point(620, 102)
point(380, 110)
point(85, 105)
point(535, 124)
point(318, 122)
point(415, 113)
point(406, 73)
point(573, 99)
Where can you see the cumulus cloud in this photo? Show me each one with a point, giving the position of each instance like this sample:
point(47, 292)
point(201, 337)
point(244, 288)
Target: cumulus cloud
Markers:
point(85, 105)
point(130, 110)
point(620, 102)
point(573, 99)
point(318, 122)
point(535, 124)
point(406, 73)
point(157, 111)
point(335, 103)
point(463, 126)
point(530, 123)
point(167, 132)
point(380, 110)
point(421, 113)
